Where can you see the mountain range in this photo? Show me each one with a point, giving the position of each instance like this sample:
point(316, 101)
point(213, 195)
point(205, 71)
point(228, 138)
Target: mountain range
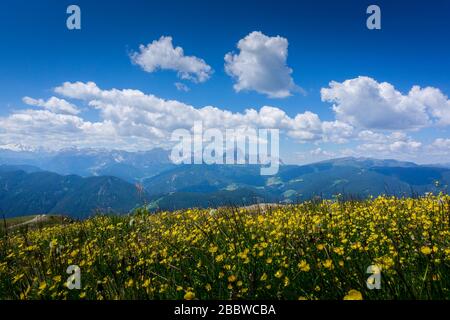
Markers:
point(129, 166)
point(350, 177)
point(26, 193)
point(81, 182)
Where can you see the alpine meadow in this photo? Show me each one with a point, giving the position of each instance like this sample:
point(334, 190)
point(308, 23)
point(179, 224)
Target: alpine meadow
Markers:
point(313, 250)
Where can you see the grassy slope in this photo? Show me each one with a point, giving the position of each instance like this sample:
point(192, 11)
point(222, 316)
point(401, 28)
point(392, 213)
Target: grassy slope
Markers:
point(314, 250)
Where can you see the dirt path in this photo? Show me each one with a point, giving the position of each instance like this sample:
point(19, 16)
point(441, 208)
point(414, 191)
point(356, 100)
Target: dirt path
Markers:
point(261, 207)
point(35, 220)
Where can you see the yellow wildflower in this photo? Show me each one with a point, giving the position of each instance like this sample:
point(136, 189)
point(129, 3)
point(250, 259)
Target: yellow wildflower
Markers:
point(353, 295)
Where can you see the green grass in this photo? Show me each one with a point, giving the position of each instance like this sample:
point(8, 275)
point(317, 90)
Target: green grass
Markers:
point(313, 250)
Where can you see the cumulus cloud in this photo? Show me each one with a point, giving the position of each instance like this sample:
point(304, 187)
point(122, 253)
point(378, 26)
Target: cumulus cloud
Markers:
point(435, 102)
point(146, 109)
point(79, 90)
point(393, 143)
point(261, 65)
point(337, 132)
point(42, 128)
point(162, 55)
point(53, 104)
point(398, 145)
point(130, 119)
point(365, 103)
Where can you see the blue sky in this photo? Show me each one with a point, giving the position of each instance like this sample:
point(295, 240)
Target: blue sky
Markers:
point(326, 41)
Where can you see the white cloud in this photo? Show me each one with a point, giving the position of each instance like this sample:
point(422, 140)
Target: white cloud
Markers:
point(161, 54)
point(440, 148)
point(131, 119)
point(53, 104)
point(319, 152)
point(79, 90)
point(306, 126)
point(139, 108)
point(181, 87)
point(337, 131)
point(41, 128)
point(261, 65)
point(442, 144)
point(437, 104)
point(371, 136)
point(398, 145)
point(394, 143)
point(365, 103)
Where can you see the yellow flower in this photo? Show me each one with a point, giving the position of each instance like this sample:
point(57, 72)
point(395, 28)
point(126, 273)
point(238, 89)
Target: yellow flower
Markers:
point(208, 287)
point(129, 283)
point(53, 243)
point(42, 285)
point(189, 295)
point(279, 274)
point(425, 250)
point(213, 249)
point(303, 266)
point(232, 278)
point(219, 258)
point(320, 247)
point(353, 295)
point(328, 264)
point(263, 277)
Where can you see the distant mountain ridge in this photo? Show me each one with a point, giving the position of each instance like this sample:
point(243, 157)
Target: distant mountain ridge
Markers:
point(369, 162)
point(129, 166)
point(351, 177)
point(109, 182)
point(40, 192)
